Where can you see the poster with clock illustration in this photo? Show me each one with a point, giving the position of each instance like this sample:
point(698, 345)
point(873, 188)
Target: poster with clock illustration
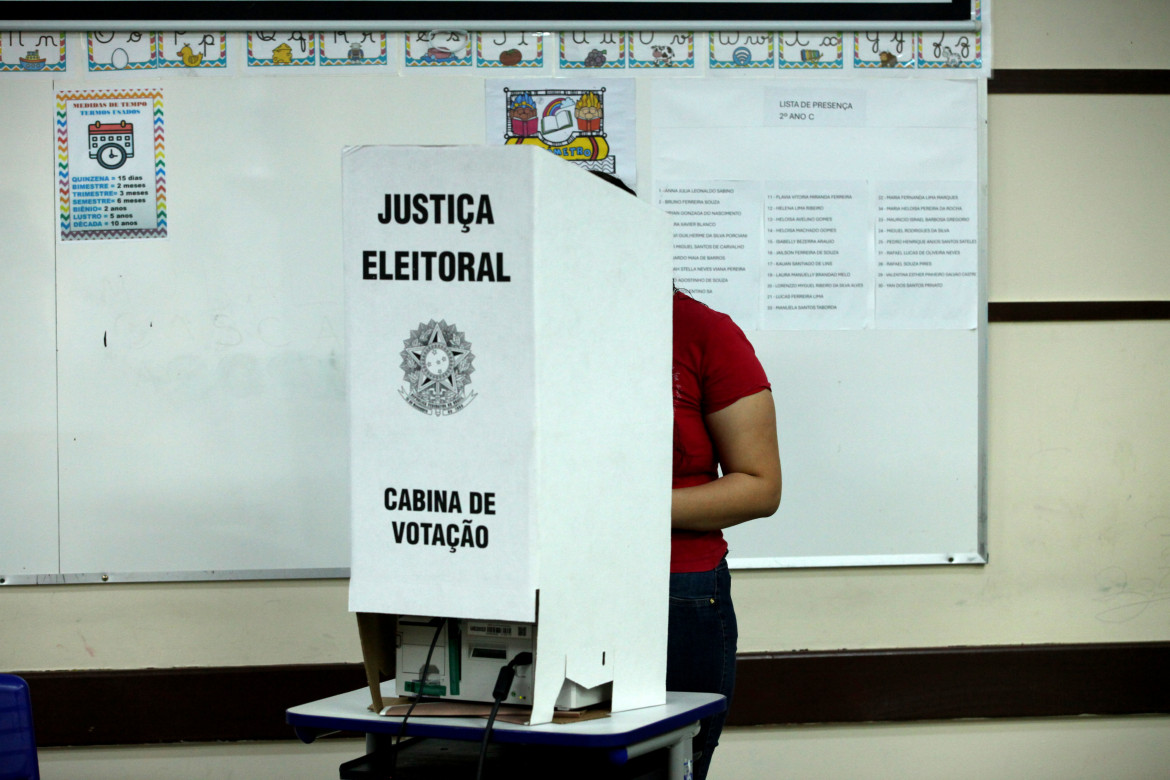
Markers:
point(111, 164)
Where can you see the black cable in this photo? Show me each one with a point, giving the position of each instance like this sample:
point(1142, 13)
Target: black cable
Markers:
point(499, 693)
point(422, 686)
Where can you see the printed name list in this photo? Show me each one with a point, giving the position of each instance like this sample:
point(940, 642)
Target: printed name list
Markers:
point(927, 255)
point(716, 243)
point(817, 273)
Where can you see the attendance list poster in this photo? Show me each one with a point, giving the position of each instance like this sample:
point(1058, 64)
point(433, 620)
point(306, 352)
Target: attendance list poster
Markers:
point(111, 164)
point(824, 205)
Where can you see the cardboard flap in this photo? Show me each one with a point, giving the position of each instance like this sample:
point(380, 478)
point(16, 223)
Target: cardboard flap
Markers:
point(589, 666)
point(377, 633)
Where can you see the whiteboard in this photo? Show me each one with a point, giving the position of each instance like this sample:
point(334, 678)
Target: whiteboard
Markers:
point(880, 429)
point(28, 397)
point(880, 443)
point(199, 397)
point(180, 412)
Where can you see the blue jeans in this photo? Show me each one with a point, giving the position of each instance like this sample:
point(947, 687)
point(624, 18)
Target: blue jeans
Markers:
point(700, 652)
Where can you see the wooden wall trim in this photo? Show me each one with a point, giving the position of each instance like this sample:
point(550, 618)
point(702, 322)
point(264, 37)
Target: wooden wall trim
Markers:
point(1076, 311)
point(141, 706)
point(945, 683)
point(1079, 82)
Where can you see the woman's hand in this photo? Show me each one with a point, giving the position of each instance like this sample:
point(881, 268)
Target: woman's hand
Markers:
point(744, 434)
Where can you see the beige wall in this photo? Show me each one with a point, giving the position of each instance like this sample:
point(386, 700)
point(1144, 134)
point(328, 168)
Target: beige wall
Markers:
point(1106, 33)
point(1078, 495)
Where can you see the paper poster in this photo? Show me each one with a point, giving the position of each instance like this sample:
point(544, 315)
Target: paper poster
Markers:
point(716, 244)
point(509, 49)
point(438, 49)
point(950, 50)
point(32, 52)
point(729, 50)
point(826, 105)
point(858, 198)
point(662, 52)
point(350, 49)
point(192, 50)
point(811, 50)
point(818, 267)
point(282, 49)
point(593, 50)
point(884, 50)
point(927, 255)
point(110, 51)
point(588, 122)
point(111, 164)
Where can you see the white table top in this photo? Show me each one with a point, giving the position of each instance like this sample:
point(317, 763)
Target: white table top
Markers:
point(350, 712)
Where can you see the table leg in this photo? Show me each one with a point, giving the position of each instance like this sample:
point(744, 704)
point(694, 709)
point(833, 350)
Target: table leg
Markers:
point(375, 764)
point(679, 754)
point(682, 761)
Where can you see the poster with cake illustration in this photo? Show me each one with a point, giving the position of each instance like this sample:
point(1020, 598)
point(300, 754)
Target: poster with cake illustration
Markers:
point(586, 122)
point(32, 52)
point(192, 50)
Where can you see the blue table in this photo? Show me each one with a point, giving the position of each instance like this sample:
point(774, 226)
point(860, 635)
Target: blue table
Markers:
point(623, 736)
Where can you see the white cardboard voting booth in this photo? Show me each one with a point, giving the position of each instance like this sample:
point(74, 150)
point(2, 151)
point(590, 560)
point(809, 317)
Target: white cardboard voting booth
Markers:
point(509, 335)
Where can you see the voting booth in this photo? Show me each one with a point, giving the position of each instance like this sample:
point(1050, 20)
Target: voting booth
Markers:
point(509, 337)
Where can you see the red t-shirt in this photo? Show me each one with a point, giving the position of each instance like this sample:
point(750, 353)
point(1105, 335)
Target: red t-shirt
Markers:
point(714, 366)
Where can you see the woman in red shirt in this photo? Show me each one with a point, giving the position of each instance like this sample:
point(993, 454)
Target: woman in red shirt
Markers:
point(726, 471)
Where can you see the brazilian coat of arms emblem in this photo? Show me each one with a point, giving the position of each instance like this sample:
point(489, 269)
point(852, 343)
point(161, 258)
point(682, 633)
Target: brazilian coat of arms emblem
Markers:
point(437, 368)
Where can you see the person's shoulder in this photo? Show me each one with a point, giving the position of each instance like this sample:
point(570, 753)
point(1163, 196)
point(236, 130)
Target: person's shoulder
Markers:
point(685, 304)
point(698, 314)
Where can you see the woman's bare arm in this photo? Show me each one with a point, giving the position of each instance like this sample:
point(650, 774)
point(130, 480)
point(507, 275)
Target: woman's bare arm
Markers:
point(744, 434)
